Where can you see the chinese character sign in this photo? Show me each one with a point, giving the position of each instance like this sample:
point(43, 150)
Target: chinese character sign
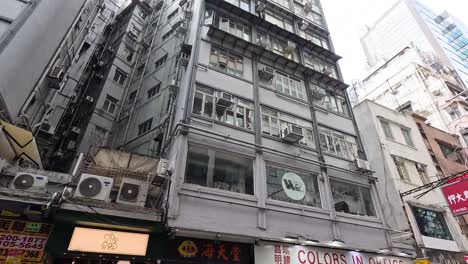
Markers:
point(210, 251)
point(22, 241)
point(457, 197)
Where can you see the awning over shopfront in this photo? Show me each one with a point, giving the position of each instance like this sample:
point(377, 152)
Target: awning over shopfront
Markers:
point(17, 143)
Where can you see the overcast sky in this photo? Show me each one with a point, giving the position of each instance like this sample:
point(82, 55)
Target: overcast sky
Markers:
point(347, 20)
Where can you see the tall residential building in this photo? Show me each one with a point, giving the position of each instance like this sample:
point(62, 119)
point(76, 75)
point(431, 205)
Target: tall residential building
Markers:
point(443, 37)
point(39, 42)
point(407, 81)
point(246, 103)
point(401, 163)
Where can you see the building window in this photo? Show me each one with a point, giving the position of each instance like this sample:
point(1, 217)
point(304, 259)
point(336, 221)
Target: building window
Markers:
point(338, 144)
point(225, 61)
point(132, 96)
point(171, 15)
point(142, 15)
point(145, 126)
point(168, 34)
point(422, 170)
point(451, 153)
point(273, 122)
point(220, 170)
point(120, 76)
point(223, 107)
point(431, 223)
point(99, 136)
point(352, 199)
point(313, 15)
point(401, 168)
point(244, 4)
point(319, 65)
point(333, 103)
point(315, 38)
point(280, 22)
point(454, 112)
point(160, 62)
point(235, 28)
point(277, 182)
point(386, 129)
point(279, 46)
point(154, 90)
point(110, 104)
point(289, 85)
point(407, 136)
point(128, 53)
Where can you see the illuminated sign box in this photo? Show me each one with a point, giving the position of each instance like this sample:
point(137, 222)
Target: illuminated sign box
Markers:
point(108, 242)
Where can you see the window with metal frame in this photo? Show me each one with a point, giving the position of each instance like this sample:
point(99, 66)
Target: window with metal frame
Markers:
point(352, 199)
point(226, 61)
point(160, 61)
point(401, 168)
point(244, 4)
point(276, 45)
point(338, 144)
point(387, 129)
point(333, 103)
point(279, 21)
point(153, 90)
point(145, 127)
point(407, 136)
point(273, 122)
point(319, 65)
point(289, 85)
point(235, 28)
point(432, 223)
point(110, 103)
point(120, 76)
point(315, 38)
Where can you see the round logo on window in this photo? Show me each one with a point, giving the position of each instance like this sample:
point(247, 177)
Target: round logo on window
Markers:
point(293, 186)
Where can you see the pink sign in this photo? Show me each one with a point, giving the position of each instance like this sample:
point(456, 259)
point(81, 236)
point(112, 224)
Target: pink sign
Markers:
point(457, 197)
point(466, 259)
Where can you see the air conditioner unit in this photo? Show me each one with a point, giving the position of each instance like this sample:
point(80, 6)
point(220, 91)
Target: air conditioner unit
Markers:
point(362, 165)
point(133, 192)
point(308, 6)
point(420, 167)
point(292, 133)
point(327, 71)
point(55, 77)
point(76, 130)
point(94, 187)
point(89, 99)
point(318, 92)
point(224, 101)
point(29, 181)
point(290, 47)
point(264, 43)
point(266, 73)
point(437, 92)
point(304, 25)
point(162, 167)
point(260, 7)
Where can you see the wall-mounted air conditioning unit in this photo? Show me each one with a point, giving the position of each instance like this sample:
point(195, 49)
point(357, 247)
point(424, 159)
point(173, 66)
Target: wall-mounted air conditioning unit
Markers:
point(290, 47)
point(307, 6)
point(362, 165)
point(304, 25)
point(90, 99)
point(29, 181)
point(327, 71)
point(318, 92)
point(292, 133)
point(260, 7)
point(224, 101)
point(162, 167)
point(76, 130)
point(133, 192)
point(94, 187)
point(184, 59)
point(55, 77)
point(266, 73)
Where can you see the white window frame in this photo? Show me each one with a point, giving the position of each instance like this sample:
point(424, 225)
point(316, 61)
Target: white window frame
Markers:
point(231, 60)
point(295, 86)
point(110, 104)
point(235, 28)
point(120, 76)
point(338, 144)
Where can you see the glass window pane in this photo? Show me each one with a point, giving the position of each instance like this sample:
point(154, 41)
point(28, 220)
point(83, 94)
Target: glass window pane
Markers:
point(432, 223)
point(197, 103)
point(208, 108)
point(352, 199)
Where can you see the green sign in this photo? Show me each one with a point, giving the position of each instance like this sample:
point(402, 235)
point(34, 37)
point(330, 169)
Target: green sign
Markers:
point(33, 227)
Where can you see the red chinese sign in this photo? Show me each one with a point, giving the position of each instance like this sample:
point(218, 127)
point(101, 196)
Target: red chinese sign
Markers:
point(457, 197)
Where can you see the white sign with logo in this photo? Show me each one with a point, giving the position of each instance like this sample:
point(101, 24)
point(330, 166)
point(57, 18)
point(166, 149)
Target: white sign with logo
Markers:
point(108, 241)
point(293, 186)
point(295, 254)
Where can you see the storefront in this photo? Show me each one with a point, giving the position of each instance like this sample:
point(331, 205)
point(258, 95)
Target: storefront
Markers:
point(194, 251)
point(22, 241)
point(78, 238)
point(276, 253)
point(443, 257)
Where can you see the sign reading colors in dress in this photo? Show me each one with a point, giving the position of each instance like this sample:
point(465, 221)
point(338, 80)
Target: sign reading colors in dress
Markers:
point(108, 242)
point(22, 241)
point(293, 186)
point(457, 197)
point(291, 254)
point(209, 251)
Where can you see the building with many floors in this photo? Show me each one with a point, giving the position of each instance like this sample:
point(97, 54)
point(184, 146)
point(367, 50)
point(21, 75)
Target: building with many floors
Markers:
point(442, 37)
point(401, 163)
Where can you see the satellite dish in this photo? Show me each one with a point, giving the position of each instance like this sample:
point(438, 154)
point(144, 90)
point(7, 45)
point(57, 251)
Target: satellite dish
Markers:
point(129, 192)
point(90, 187)
point(24, 181)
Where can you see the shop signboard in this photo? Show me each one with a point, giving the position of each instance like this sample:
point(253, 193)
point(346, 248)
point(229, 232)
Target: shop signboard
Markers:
point(271, 253)
point(108, 242)
point(457, 197)
point(466, 259)
point(422, 261)
point(22, 241)
point(210, 251)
